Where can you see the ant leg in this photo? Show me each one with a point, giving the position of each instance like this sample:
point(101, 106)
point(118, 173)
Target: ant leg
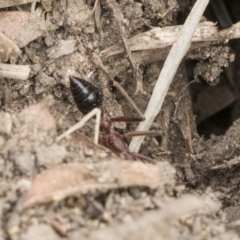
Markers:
point(142, 133)
point(135, 133)
point(95, 111)
point(143, 158)
point(127, 119)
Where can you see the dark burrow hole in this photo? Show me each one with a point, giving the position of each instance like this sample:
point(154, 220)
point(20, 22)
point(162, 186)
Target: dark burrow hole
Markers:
point(217, 107)
point(214, 107)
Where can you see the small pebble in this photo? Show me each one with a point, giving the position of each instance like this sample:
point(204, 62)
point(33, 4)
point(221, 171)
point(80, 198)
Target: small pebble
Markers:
point(25, 162)
point(51, 155)
point(39, 232)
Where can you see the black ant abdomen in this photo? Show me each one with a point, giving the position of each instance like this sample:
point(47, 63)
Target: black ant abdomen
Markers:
point(86, 96)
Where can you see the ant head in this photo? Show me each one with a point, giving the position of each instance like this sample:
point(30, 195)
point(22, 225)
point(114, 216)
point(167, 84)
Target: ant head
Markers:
point(105, 126)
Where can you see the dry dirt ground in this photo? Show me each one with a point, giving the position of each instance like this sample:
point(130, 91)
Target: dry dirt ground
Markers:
point(73, 189)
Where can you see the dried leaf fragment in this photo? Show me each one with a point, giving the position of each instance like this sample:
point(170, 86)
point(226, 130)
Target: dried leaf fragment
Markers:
point(69, 179)
point(22, 27)
point(8, 48)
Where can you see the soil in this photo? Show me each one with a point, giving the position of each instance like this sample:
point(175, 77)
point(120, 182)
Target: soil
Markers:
point(197, 172)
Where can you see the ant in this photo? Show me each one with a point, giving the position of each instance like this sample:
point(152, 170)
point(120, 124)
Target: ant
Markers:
point(87, 97)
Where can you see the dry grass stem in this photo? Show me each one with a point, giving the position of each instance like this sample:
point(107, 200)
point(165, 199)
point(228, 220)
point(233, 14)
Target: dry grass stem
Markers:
point(18, 72)
point(178, 51)
point(81, 123)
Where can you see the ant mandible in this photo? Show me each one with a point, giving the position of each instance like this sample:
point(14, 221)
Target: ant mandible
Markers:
point(87, 97)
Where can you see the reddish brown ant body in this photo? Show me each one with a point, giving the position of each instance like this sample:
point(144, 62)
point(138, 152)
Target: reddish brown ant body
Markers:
point(87, 97)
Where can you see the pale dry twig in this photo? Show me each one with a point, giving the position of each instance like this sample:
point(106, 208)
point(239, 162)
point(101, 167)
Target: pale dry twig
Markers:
point(178, 51)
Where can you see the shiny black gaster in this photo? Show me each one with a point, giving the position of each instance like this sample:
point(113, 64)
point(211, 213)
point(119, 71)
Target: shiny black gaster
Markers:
point(86, 96)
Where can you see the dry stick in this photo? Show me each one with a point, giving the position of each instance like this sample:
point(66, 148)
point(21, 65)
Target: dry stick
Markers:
point(162, 38)
point(189, 132)
point(227, 164)
point(124, 41)
point(180, 98)
point(130, 58)
point(20, 72)
point(95, 111)
point(116, 14)
point(160, 54)
point(169, 10)
point(96, 4)
point(116, 84)
point(97, 13)
point(33, 6)
point(124, 93)
point(169, 69)
point(167, 112)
